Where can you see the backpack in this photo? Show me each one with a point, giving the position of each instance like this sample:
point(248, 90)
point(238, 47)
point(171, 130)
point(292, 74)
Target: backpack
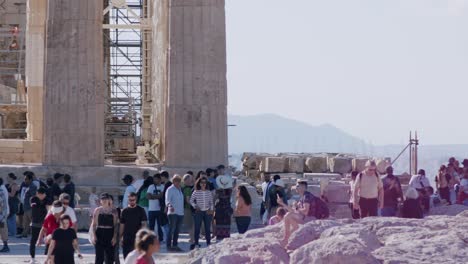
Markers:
point(321, 209)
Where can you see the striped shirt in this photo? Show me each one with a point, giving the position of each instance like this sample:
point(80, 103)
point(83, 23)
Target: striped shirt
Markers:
point(202, 199)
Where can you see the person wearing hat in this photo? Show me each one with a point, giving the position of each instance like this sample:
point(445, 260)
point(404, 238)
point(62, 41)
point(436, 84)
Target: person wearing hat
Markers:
point(13, 203)
point(175, 213)
point(104, 227)
point(223, 209)
point(51, 223)
point(277, 189)
point(128, 180)
point(38, 214)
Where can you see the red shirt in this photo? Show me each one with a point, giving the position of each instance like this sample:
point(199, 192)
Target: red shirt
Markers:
point(51, 224)
point(142, 260)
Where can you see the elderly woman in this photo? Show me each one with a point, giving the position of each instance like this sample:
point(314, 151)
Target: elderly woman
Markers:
point(368, 191)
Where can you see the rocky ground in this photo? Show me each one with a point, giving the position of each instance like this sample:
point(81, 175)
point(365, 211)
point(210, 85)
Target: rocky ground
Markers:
point(441, 238)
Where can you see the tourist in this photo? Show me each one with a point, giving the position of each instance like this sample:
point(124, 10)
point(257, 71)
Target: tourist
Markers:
point(64, 243)
point(132, 219)
point(69, 189)
point(392, 193)
point(275, 190)
point(147, 246)
point(265, 198)
point(56, 190)
point(118, 213)
point(38, 214)
point(132, 257)
point(223, 209)
point(3, 217)
point(188, 224)
point(243, 213)
point(154, 194)
point(141, 194)
point(411, 206)
point(49, 190)
point(368, 191)
point(13, 203)
point(164, 220)
point(454, 179)
point(442, 180)
point(175, 213)
point(28, 191)
point(211, 178)
point(301, 212)
point(202, 201)
point(465, 163)
point(64, 198)
point(94, 202)
point(354, 212)
point(280, 213)
point(138, 183)
point(128, 180)
point(190, 173)
point(420, 182)
point(104, 227)
point(463, 193)
point(51, 223)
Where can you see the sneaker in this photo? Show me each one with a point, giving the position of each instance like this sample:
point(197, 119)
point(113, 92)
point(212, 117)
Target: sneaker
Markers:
point(32, 261)
point(5, 250)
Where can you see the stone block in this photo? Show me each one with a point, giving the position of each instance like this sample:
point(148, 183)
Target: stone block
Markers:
point(340, 165)
point(359, 164)
point(317, 164)
point(382, 165)
point(274, 164)
point(337, 192)
point(295, 164)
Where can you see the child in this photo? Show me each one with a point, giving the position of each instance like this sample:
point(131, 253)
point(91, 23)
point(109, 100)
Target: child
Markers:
point(280, 213)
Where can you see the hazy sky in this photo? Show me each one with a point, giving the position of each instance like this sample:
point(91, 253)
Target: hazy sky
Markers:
point(375, 69)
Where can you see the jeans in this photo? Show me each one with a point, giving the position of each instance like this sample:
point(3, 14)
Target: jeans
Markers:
point(369, 207)
point(388, 211)
point(32, 244)
point(243, 223)
point(11, 223)
point(27, 222)
point(155, 218)
point(175, 223)
point(198, 218)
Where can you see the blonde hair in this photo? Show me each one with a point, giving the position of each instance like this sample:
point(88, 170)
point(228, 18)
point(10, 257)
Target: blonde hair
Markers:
point(411, 193)
point(177, 178)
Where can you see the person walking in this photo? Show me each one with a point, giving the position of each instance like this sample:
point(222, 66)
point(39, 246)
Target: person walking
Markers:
point(243, 213)
point(51, 223)
point(368, 191)
point(421, 183)
point(69, 189)
point(442, 180)
point(64, 243)
point(154, 194)
point(104, 227)
point(133, 256)
point(27, 193)
point(128, 180)
point(141, 194)
point(175, 213)
point(223, 209)
point(188, 223)
point(3, 218)
point(132, 219)
point(38, 214)
point(267, 183)
point(202, 201)
point(147, 246)
point(392, 193)
point(354, 212)
point(13, 203)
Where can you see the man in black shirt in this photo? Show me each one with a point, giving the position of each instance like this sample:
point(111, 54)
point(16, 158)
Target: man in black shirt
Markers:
point(69, 189)
point(132, 219)
point(38, 214)
point(392, 191)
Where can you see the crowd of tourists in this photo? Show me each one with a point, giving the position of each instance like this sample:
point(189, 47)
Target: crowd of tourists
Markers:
point(153, 210)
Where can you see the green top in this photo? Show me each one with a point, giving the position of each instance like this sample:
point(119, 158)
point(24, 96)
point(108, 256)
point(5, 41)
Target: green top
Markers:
point(143, 201)
point(187, 191)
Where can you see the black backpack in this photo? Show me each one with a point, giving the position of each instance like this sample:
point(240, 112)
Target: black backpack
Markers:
point(321, 209)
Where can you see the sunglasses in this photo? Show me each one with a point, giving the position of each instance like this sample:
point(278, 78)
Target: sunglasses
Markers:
point(132, 200)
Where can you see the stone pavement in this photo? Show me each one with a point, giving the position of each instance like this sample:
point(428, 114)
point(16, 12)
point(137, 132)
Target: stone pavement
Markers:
point(19, 252)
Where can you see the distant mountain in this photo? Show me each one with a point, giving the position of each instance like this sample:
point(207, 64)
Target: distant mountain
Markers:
point(272, 133)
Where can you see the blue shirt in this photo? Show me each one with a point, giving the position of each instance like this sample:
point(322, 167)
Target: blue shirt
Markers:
point(175, 199)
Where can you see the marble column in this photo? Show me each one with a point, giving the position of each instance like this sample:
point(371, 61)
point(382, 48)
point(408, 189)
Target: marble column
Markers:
point(196, 99)
point(74, 94)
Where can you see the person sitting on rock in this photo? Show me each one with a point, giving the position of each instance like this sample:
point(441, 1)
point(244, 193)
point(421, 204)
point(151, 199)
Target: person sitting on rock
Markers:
point(280, 213)
point(301, 212)
point(411, 207)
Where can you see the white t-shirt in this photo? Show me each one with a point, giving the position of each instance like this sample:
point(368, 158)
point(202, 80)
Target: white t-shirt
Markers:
point(419, 182)
point(154, 204)
point(70, 212)
point(464, 184)
point(137, 184)
point(128, 191)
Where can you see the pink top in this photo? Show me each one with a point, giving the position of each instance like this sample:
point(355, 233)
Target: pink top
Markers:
point(242, 209)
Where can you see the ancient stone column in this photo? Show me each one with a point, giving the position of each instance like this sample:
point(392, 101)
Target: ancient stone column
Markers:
point(74, 94)
point(196, 98)
point(35, 40)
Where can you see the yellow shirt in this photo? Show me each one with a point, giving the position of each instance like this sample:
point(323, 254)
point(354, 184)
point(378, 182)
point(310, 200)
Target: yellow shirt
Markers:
point(368, 186)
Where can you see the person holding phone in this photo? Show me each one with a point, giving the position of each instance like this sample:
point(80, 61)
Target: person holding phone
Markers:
point(202, 201)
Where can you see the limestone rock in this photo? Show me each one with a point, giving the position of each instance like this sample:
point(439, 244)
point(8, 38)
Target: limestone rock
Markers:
point(382, 165)
point(359, 164)
point(295, 164)
point(274, 164)
point(309, 232)
point(452, 210)
point(318, 164)
point(340, 165)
